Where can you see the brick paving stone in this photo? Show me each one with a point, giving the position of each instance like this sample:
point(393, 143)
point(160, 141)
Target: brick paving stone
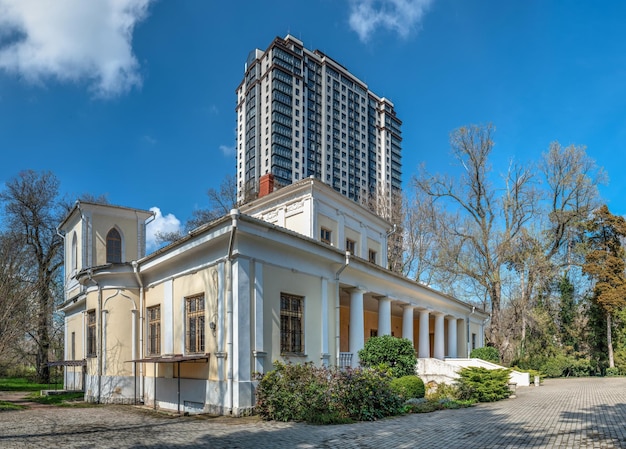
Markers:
point(562, 413)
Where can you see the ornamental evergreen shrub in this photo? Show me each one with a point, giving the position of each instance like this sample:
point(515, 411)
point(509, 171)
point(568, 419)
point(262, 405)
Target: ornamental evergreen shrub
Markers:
point(488, 353)
point(397, 354)
point(483, 385)
point(408, 387)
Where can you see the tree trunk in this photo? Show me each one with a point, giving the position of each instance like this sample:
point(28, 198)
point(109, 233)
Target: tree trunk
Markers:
point(609, 340)
point(43, 348)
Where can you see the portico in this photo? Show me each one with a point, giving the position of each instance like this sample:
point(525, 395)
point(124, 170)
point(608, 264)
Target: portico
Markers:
point(364, 314)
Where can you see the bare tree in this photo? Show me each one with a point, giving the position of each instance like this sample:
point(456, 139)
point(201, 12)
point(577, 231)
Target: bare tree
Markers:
point(32, 212)
point(221, 201)
point(480, 223)
point(571, 195)
point(15, 297)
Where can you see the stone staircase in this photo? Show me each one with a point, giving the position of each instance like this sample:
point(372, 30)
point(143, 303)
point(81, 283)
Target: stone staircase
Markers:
point(446, 371)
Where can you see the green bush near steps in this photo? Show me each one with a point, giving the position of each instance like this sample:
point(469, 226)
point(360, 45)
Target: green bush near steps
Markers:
point(395, 354)
point(483, 385)
point(487, 353)
point(408, 387)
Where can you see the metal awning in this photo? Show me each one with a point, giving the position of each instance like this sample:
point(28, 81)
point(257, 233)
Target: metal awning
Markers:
point(68, 363)
point(175, 358)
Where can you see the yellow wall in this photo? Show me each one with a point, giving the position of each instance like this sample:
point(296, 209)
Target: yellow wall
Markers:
point(277, 280)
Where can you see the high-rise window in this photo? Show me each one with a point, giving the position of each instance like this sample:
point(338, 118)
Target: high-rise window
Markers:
point(154, 330)
point(194, 343)
point(325, 235)
point(350, 246)
point(91, 333)
point(114, 246)
point(291, 328)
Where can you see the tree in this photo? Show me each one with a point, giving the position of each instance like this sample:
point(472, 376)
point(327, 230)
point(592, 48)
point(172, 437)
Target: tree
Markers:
point(572, 180)
point(604, 263)
point(15, 296)
point(221, 201)
point(32, 212)
point(479, 223)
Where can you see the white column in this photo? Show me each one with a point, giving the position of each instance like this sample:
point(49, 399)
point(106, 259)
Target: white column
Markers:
point(259, 353)
point(407, 322)
point(384, 316)
point(167, 320)
point(452, 351)
point(439, 349)
point(424, 341)
point(357, 325)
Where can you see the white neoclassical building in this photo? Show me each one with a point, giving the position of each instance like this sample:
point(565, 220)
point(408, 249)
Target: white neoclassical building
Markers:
point(297, 275)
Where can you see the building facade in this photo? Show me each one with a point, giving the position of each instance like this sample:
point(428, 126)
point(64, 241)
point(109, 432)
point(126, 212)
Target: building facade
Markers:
point(296, 275)
point(302, 114)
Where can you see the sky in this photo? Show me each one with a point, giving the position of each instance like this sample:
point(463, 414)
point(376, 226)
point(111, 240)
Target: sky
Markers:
point(135, 99)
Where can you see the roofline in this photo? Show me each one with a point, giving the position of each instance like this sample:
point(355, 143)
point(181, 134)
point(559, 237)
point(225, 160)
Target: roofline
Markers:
point(78, 203)
point(340, 253)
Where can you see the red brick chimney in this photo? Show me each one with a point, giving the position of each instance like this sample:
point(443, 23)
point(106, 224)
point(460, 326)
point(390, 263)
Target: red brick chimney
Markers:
point(266, 184)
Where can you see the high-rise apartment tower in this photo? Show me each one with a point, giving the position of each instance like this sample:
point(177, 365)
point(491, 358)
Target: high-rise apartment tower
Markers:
point(302, 114)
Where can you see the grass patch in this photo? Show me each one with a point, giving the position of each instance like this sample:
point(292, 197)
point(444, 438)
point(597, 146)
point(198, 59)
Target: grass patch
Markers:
point(69, 399)
point(6, 406)
point(22, 384)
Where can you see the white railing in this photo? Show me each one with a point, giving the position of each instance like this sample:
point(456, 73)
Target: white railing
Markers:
point(345, 360)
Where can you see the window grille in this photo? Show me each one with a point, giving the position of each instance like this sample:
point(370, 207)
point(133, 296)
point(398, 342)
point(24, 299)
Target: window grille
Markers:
point(291, 328)
point(195, 324)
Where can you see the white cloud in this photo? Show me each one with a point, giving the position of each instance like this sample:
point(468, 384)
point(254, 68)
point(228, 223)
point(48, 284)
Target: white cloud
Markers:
point(72, 41)
point(399, 16)
point(227, 151)
point(161, 224)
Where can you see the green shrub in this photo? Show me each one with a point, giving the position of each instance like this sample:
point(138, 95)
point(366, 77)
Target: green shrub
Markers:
point(325, 396)
point(366, 394)
point(483, 385)
point(612, 371)
point(408, 387)
point(488, 353)
point(397, 354)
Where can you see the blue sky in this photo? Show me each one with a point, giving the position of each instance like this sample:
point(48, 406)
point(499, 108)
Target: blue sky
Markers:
point(135, 99)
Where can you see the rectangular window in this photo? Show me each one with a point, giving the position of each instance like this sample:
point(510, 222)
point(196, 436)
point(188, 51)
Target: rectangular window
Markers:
point(154, 330)
point(91, 333)
point(473, 341)
point(291, 329)
point(350, 246)
point(73, 350)
point(372, 256)
point(325, 235)
point(194, 343)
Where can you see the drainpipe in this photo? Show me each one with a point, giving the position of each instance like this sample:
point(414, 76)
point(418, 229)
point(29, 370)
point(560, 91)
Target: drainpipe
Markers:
point(234, 214)
point(141, 327)
point(338, 308)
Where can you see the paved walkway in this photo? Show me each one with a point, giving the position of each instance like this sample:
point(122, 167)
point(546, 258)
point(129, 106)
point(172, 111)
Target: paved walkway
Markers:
point(570, 413)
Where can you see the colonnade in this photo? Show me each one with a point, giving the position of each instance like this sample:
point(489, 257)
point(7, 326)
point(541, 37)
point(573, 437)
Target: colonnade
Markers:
point(357, 327)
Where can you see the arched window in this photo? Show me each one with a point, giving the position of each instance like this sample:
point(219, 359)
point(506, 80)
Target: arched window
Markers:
point(114, 246)
point(74, 254)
